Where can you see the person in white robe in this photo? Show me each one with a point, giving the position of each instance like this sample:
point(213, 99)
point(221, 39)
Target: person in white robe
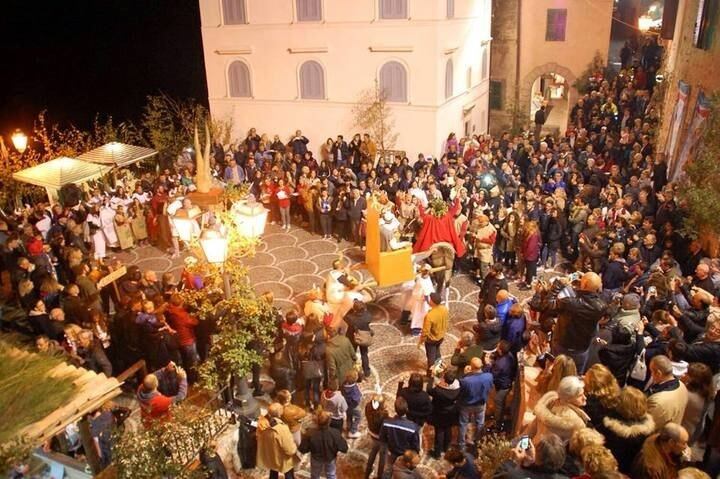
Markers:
point(96, 234)
point(107, 223)
point(335, 283)
point(418, 304)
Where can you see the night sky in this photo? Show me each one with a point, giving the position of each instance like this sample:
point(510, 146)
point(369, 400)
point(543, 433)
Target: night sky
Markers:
point(76, 58)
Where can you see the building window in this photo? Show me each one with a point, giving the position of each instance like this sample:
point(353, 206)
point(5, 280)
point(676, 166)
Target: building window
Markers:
point(393, 81)
point(556, 23)
point(705, 23)
point(312, 81)
point(468, 78)
point(239, 80)
point(495, 100)
point(234, 12)
point(309, 10)
point(393, 9)
point(484, 64)
point(449, 79)
point(451, 8)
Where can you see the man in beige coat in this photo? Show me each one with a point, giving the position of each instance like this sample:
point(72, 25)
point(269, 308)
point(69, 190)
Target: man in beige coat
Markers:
point(275, 445)
point(668, 396)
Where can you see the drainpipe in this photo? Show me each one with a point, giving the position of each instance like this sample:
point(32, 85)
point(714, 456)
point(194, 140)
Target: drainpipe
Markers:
point(517, 65)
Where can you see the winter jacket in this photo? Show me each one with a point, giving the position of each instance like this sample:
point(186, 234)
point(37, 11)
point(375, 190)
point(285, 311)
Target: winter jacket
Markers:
point(275, 445)
point(334, 404)
point(625, 438)
point(503, 308)
point(154, 405)
point(488, 333)
point(444, 404)
point(503, 371)
point(512, 332)
point(400, 434)
point(620, 358)
point(324, 444)
point(558, 418)
point(353, 396)
point(667, 401)
point(474, 388)
point(614, 275)
point(340, 357)
point(183, 323)
point(707, 352)
point(419, 404)
point(531, 247)
point(509, 470)
point(595, 410)
point(577, 316)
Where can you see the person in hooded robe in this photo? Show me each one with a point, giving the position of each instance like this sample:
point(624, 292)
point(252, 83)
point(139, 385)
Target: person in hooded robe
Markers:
point(107, 223)
point(97, 237)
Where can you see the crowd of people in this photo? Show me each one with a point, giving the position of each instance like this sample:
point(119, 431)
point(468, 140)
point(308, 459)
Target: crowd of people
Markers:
point(621, 327)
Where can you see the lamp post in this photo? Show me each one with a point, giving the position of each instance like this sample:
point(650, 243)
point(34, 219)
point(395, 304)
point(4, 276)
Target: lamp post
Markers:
point(215, 247)
point(250, 217)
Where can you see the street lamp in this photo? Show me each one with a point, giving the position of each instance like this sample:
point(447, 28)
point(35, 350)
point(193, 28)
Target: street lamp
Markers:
point(20, 141)
point(186, 224)
point(250, 217)
point(214, 245)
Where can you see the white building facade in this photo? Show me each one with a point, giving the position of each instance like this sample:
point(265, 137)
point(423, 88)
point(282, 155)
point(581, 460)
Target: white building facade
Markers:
point(282, 65)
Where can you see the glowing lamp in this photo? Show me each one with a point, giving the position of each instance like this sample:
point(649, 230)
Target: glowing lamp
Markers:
point(185, 223)
point(214, 245)
point(250, 218)
point(645, 23)
point(20, 141)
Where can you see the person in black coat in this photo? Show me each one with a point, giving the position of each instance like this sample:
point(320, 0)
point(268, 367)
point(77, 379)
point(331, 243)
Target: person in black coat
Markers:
point(324, 444)
point(494, 281)
point(419, 402)
point(358, 319)
point(627, 426)
point(619, 355)
point(444, 411)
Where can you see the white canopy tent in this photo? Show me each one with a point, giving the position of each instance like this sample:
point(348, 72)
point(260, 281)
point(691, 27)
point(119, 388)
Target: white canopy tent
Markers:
point(54, 174)
point(117, 154)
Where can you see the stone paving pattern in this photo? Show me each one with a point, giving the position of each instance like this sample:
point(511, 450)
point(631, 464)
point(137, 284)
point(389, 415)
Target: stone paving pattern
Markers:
point(290, 263)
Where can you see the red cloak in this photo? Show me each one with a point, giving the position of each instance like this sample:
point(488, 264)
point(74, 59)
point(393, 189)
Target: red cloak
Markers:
point(436, 230)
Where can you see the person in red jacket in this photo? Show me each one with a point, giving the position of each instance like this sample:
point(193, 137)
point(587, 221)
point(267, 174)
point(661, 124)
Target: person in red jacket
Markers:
point(531, 252)
point(184, 325)
point(154, 405)
point(284, 195)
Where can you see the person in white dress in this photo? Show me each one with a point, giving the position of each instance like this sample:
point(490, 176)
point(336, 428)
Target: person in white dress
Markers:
point(107, 223)
point(418, 303)
point(96, 233)
point(335, 283)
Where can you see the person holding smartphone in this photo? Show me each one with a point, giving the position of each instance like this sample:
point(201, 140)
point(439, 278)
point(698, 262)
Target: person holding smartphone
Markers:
point(535, 462)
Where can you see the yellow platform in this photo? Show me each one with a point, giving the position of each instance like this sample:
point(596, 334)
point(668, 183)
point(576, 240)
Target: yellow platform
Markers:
point(389, 267)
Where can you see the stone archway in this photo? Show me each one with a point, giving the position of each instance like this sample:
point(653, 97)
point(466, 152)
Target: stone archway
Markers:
point(527, 83)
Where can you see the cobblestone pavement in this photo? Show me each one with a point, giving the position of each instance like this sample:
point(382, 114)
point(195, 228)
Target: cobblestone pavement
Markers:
point(290, 263)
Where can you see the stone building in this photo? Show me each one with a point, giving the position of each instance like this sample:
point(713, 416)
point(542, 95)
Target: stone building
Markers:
point(539, 49)
point(282, 65)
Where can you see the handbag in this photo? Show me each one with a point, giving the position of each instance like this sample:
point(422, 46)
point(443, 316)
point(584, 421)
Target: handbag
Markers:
point(363, 337)
point(311, 369)
point(639, 370)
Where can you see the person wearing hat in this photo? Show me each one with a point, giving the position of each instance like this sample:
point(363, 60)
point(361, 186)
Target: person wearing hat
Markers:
point(483, 237)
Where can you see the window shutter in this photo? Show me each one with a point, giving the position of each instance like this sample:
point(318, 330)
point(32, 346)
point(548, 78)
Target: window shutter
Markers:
point(449, 79)
point(393, 9)
point(450, 8)
point(309, 10)
point(312, 81)
point(234, 12)
point(495, 99)
point(239, 80)
point(484, 65)
point(556, 24)
point(393, 81)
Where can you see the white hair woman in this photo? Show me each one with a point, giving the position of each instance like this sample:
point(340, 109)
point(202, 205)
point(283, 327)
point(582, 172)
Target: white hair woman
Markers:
point(560, 412)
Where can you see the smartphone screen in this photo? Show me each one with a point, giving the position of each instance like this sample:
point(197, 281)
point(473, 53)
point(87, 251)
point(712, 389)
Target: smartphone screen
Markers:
point(524, 442)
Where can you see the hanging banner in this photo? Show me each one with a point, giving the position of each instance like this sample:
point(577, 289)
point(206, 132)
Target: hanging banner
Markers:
point(692, 138)
point(675, 122)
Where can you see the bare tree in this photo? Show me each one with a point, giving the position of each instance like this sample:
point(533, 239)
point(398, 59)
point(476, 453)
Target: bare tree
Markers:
point(372, 113)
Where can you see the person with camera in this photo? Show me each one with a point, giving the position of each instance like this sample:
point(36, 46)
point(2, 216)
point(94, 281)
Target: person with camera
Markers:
point(578, 311)
point(530, 462)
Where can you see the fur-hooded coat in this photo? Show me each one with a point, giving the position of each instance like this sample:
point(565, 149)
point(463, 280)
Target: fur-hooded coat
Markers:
point(558, 417)
point(625, 438)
